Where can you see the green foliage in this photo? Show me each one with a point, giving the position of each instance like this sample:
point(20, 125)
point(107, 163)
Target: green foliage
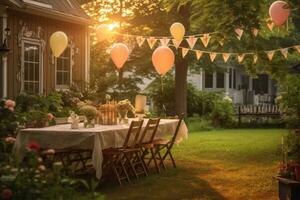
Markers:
point(222, 113)
point(290, 101)
point(292, 145)
point(8, 121)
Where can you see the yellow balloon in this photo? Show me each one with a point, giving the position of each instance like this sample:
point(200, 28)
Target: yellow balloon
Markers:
point(58, 43)
point(178, 31)
point(103, 32)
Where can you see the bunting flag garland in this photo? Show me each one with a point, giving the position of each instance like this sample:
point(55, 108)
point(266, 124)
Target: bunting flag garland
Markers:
point(284, 52)
point(255, 32)
point(255, 58)
point(297, 48)
point(270, 54)
point(239, 33)
point(151, 41)
point(212, 56)
point(198, 54)
point(140, 40)
point(241, 58)
point(226, 56)
point(205, 40)
point(176, 43)
point(191, 40)
point(184, 52)
point(164, 41)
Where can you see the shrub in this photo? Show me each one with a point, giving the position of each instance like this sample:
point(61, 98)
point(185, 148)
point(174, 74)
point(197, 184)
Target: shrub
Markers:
point(222, 113)
point(290, 101)
point(198, 124)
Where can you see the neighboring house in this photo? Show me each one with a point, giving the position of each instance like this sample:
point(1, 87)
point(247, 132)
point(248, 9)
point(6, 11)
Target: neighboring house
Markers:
point(235, 82)
point(30, 66)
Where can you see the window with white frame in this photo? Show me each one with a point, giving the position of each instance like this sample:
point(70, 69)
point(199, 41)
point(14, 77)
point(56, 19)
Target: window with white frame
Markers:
point(63, 70)
point(232, 78)
point(209, 79)
point(32, 77)
point(220, 79)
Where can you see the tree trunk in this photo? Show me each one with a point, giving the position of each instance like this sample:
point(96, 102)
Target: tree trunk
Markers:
point(181, 68)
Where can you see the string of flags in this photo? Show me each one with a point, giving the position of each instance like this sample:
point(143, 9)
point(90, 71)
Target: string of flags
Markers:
point(239, 56)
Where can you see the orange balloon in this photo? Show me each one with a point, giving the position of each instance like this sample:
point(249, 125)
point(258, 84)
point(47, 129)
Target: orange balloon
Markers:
point(119, 54)
point(279, 12)
point(163, 59)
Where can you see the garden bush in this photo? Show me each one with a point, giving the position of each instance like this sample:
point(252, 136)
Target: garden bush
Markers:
point(289, 101)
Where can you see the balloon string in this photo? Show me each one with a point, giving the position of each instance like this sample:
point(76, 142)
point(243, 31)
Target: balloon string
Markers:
point(162, 95)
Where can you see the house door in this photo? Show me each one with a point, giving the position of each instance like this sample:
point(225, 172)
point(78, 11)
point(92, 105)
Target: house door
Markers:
point(32, 67)
point(261, 84)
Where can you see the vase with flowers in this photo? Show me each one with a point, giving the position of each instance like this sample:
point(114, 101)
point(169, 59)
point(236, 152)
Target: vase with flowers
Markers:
point(123, 107)
point(90, 112)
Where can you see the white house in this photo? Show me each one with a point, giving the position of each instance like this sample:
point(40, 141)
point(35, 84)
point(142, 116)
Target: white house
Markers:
point(237, 84)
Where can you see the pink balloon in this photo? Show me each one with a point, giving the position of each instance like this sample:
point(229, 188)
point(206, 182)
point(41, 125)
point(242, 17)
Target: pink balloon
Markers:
point(279, 12)
point(163, 59)
point(119, 54)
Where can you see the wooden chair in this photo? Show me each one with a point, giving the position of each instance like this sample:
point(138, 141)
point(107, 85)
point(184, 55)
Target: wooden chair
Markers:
point(163, 147)
point(146, 143)
point(120, 160)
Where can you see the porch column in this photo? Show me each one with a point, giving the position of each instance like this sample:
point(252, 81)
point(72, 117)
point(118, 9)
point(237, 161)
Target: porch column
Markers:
point(3, 15)
point(201, 80)
point(227, 83)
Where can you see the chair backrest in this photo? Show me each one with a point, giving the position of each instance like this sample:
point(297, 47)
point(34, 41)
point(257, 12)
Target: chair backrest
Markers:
point(133, 134)
point(150, 129)
point(173, 140)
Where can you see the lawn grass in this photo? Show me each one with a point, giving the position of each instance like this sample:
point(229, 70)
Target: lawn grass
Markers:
point(213, 165)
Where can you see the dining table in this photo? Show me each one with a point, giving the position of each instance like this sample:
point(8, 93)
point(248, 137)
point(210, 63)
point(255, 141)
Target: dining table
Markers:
point(95, 139)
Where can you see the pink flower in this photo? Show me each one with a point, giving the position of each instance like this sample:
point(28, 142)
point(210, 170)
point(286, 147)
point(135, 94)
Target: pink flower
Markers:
point(10, 104)
point(10, 140)
point(6, 193)
point(50, 117)
point(33, 146)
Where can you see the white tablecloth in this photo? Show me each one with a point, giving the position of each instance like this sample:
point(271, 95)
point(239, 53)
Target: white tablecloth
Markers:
point(97, 138)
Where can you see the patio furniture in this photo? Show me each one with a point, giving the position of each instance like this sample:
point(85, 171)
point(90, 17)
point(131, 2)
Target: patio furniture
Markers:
point(163, 147)
point(288, 189)
point(95, 139)
point(121, 159)
point(146, 143)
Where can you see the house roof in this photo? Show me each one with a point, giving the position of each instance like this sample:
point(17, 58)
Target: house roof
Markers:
point(67, 10)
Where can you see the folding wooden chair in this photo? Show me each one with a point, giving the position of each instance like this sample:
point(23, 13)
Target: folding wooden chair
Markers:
point(163, 147)
point(120, 160)
point(146, 143)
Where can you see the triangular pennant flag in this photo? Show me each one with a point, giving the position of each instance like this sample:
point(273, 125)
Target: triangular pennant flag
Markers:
point(226, 56)
point(198, 54)
point(164, 41)
point(270, 25)
point(255, 32)
point(176, 43)
point(239, 33)
point(140, 40)
point(270, 54)
point(191, 41)
point(241, 57)
point(151, 41)
point(205, 40)
point(255, 58)
point(184, 51)
point(212, 56)
point(284, 52)
point(297, 48)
